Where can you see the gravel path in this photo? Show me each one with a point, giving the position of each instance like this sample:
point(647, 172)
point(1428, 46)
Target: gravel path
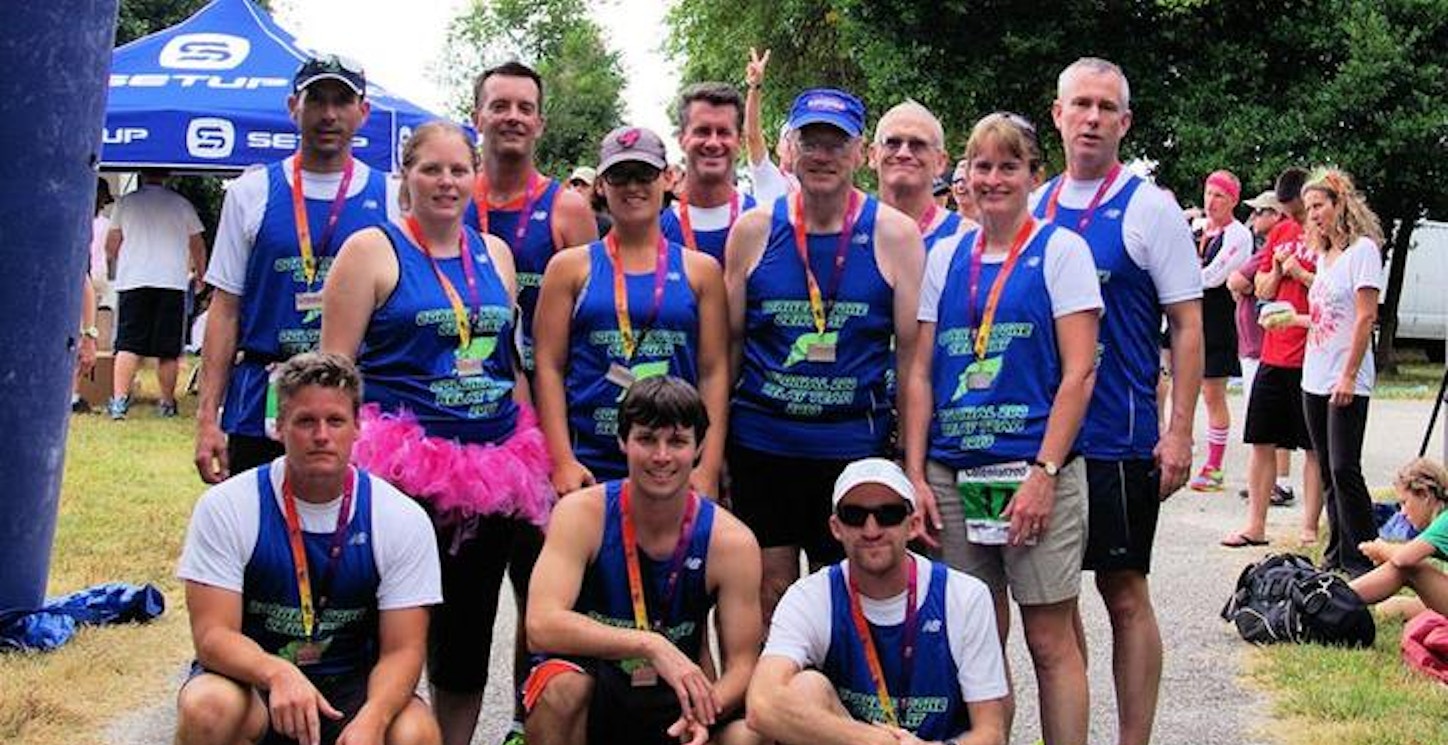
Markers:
point(1203, 699)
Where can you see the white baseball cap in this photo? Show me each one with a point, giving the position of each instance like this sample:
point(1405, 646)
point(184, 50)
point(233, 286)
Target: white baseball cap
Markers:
point(873, 471)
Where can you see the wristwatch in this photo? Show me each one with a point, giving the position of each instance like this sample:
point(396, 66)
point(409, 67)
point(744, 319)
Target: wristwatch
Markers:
point(1048, 467)
point(90, 332)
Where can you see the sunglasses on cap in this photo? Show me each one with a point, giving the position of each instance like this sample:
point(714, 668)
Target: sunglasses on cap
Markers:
point(332, 63)
point(631, 173)
point(886, 515)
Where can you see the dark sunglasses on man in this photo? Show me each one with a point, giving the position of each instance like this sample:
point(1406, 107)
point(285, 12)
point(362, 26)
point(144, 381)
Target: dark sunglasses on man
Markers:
point(886, 515)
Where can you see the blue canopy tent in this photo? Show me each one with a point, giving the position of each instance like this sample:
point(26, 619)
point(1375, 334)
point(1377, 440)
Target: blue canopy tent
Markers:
point(209, 94)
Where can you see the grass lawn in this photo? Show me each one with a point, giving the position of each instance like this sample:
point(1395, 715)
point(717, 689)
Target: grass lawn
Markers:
point(1414, 380)
point(125, 500)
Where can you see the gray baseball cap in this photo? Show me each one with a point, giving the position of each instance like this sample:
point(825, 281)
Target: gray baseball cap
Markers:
point(632, 144)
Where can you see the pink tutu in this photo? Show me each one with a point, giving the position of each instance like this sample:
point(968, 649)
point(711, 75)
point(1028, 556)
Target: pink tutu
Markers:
point(460, 482)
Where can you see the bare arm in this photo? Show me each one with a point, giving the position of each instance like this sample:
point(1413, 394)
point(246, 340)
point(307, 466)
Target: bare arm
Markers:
point(402, 636)
point(217, 355)
point(736, 567)
point(1174, 450)
point(774, 711)
point(755, 146)
point(552, 328)
point(917, 397)
point(362, 276)
point(987, 723)
point(86, 352)
point(713, 365)
point(196, 247)
point(113, 245)
point(902, 260)
point(573, 220)
point(742, 252)
point(1365, 301)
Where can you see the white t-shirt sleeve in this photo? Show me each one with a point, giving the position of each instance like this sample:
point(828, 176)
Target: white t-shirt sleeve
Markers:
point(1071, 275)
point(769, 182)
point(800, 629)
point(241, 214)
point(190, 218)
point(222, 534)
point(1159, 240)
point(1365, 265)
point(404, 549)
point(1236, 249)
point(937, 268)
point(970, 614)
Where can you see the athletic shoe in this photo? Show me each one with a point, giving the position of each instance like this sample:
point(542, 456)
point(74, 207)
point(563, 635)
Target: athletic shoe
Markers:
point(78, 405)
point(1282, 496)
point(1210, 479)
point(166, 410)
point(118, 406)
point(514, 736)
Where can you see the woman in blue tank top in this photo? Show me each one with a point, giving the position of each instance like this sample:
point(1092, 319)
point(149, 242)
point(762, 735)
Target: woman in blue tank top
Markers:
point(631, 306)
point(994, 400)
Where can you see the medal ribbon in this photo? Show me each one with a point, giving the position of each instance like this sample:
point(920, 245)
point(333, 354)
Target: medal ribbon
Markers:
point(299, 215)
point(631, 343)
point(687, 226)
point(816, 302)
point(923, 224)
point(530, 195)
point(460, 311)
point(872, 655)
point(1090, 208)
point(987, 316)
point(631, 558)
point(299, 553)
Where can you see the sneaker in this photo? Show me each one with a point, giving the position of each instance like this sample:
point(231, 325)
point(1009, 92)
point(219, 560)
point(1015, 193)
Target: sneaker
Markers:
point(1210, 479)
point(118, 406)
point(166, 410)
point(514, 736)
point(79, 405)
point(1282, 496)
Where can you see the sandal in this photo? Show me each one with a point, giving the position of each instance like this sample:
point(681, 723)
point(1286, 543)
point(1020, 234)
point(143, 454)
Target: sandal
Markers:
point(1242, 540)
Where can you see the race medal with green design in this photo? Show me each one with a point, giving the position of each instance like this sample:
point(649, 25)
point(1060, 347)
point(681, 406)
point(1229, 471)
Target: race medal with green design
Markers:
point(469, 360)
point(309, 301)
point(620, 376)
point(984, 493)
point(981, 374)
point(813, 346)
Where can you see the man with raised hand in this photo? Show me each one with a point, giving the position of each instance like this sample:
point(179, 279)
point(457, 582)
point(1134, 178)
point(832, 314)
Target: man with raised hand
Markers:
point(1147, 265)
point(280, 229)
point(907, 155)
point(709, 118)
point(633, 568)
point(308, 584)
point(819, 285)
point(769, 181)
point(886, 647)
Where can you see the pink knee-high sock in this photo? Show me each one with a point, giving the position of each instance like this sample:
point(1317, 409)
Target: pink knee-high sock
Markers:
point(1216, 446)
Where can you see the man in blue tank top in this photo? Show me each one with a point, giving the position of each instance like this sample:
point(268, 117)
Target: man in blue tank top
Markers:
point(508, 114)
point(308, 584)
point(1147, 265)
point(822, 293)
point(887, 647)
point(709, 117)
point(632, 569)
point(280, 229)
point(907, 155)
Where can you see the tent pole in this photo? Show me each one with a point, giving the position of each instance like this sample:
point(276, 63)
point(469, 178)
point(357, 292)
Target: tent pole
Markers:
point(54, 59)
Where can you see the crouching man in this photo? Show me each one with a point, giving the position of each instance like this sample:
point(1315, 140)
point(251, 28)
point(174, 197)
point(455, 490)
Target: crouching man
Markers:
point(308, 584)
point(622, 592)
point(885, 647)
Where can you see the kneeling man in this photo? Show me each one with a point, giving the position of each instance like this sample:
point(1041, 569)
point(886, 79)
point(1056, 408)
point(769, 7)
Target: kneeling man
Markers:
point(621, 595)
point(885, 647)
point(308, 584)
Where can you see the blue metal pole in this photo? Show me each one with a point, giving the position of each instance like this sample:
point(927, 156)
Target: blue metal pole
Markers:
point(54, 60)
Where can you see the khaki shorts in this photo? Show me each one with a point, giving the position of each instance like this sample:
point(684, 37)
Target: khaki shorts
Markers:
point(1048, 572)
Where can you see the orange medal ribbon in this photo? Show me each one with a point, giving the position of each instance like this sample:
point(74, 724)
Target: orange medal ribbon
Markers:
point(816, 300)
point(299, 215)
point(872, 655)
point(987, 316)
point(460, 311)
point(631, 558)
point(299, 553)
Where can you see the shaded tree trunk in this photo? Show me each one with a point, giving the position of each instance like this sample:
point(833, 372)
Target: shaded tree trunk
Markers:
point(1398, 240)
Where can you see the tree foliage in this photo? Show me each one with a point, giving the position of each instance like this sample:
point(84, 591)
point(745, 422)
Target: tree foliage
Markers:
point(582, 78)
point(1249, 85)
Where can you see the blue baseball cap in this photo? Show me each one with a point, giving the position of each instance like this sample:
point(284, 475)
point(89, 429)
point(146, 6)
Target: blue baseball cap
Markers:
point(828, 106)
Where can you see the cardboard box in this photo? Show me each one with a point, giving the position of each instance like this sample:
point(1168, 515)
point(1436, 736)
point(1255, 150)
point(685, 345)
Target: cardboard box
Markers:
point(106, 324)
point(95, 387)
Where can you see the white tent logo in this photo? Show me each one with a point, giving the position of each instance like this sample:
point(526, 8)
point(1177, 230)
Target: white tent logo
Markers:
point(210, 138)
point(205, 52)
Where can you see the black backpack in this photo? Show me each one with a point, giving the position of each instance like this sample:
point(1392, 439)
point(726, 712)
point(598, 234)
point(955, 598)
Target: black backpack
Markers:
point(1284, 598)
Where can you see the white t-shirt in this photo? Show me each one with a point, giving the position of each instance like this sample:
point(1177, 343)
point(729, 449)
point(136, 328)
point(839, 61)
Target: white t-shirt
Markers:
point(800, 631)
point(1332, 301)
point(770, 183)
point(156, 226)
point(709, 218)
point(1158, 239)
point(227, 521)
point(245, 205)
point(1070, 272)
point(1236, 248)
point(100, 229)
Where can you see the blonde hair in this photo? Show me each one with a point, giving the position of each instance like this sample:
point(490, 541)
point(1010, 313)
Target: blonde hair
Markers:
point(1354, 218)
point(422, 135)
point(1424, 476)
point(322, 370)
point(1011, 131)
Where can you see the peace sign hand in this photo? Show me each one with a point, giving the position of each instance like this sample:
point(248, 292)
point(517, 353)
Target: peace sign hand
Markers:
point(754, 71)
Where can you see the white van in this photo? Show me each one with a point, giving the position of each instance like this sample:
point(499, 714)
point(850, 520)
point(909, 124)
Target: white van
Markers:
point(1423, 307)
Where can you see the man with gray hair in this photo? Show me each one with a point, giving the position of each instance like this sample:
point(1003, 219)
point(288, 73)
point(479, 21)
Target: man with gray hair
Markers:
point(908, 154)
point(308, 584)
point(1148, 267)
point(709, 118)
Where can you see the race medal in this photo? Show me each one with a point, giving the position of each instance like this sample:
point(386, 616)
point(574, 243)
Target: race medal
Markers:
point(269, 423)
point(644, 676)
point(469, 366)
point(981, 374)
point(620, 376)
point(984, 493)
point(308, 653)
point(308, 301)
point(820, 351)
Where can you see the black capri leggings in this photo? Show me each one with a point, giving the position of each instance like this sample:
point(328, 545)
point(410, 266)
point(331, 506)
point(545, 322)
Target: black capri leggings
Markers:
point(1337, 437)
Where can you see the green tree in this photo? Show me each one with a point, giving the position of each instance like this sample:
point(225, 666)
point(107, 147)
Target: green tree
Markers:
point(138, 18)
point(1249, 85)
point(582, 78)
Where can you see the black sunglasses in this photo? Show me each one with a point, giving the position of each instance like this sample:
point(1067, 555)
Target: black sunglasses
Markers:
point(631, 173)
point(886, 515)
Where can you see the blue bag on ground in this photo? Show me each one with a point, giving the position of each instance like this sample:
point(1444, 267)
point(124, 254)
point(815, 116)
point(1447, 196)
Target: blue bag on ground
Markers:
point(55, 623)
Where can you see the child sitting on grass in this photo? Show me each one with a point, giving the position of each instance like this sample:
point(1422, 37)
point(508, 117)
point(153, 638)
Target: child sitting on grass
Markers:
point(1422, 488)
